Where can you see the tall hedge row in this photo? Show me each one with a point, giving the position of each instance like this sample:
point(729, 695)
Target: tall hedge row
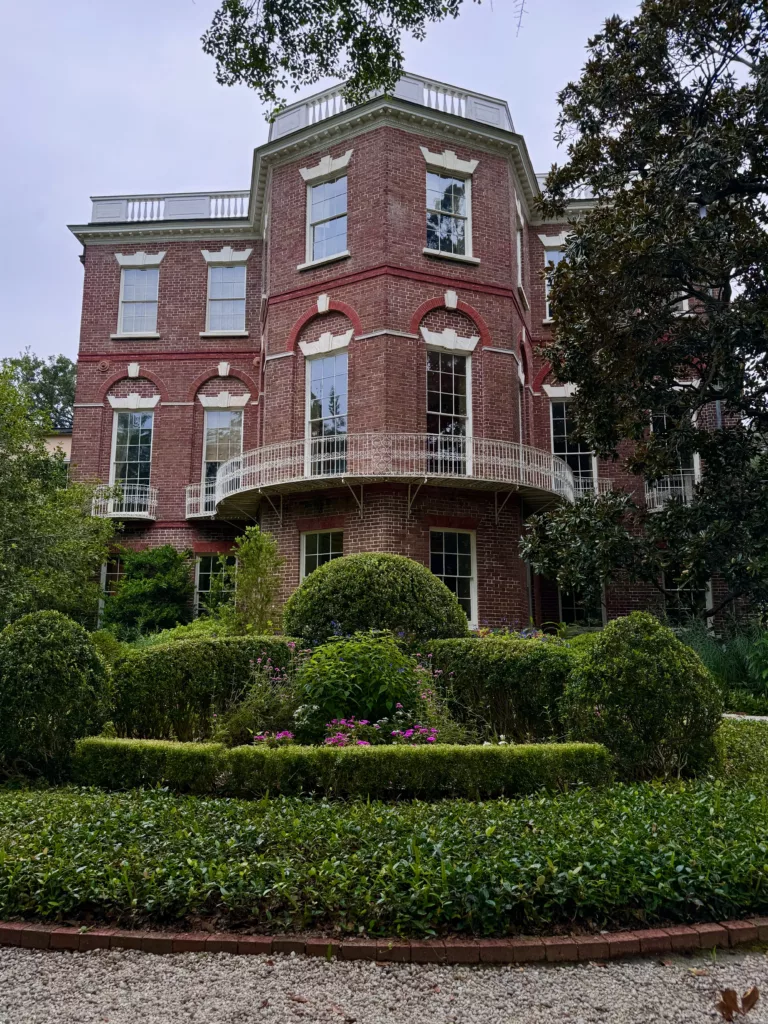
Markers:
point(176, 688)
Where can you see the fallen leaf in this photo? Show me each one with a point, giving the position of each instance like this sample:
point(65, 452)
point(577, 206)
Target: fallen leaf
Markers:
point(299, 999)
point(728, 1004)
point(699, 972)
point(749, 999)
point(264, 1004)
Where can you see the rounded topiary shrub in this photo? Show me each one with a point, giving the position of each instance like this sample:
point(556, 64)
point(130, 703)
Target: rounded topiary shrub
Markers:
point(646, 696)
point(363, 676)
point(53, 689)
point(373, 591)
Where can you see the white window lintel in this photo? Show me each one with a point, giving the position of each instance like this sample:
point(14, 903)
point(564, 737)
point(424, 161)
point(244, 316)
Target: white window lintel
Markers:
point(327, 167)
point(226, 255)
point(134, 401)
point(225, 400)
point(326, 343)
point(449, 341)
point(448, 161)
point(140, 259)
point(554, 241)
point(560, 390)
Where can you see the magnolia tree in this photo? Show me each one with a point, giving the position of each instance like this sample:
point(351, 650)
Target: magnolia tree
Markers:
point(661, 300)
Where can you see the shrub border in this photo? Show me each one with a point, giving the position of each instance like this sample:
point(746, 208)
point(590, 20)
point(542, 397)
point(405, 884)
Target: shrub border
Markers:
point(520, 949)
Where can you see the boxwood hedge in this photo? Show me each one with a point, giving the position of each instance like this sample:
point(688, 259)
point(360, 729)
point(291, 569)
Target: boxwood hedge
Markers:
point(175, 688)
point(426, 773)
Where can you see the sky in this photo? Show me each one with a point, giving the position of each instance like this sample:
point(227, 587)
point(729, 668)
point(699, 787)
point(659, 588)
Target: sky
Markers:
point(104, 98)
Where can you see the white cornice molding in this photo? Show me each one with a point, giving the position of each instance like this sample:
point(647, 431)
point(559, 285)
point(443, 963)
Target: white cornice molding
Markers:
point(134, 401)
point(327, 167)
point(226, 255)
point(225, 400)
point(140, 259)
point(449, 340)
point(448, 161)
point(560, 390)
point(554, 241)
point(326, 343)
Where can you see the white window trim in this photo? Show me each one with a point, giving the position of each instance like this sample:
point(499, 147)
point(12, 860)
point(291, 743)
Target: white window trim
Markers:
point(473, 554)
point(326, 343)
point(564, 399)
point(120, 333)
point(219, 408)
point(307, 409)
point(468, 435)
point(466, 175)
point(113, 451)
point(303, 546)
point(240, 332)
point(133, 401)
point(549, 247)
point(317, 176)
point(140, 260)
point(327, 168)
point(227, 256)
point(224, 400)
point(449, 341)
point(448, 161)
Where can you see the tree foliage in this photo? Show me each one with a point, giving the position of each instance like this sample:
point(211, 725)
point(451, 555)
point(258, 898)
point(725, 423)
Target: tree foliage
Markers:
point(668, 126)
point(50, 384)
point(51, 548)
point(154, 592)
point(271, 45)
point(244, 591)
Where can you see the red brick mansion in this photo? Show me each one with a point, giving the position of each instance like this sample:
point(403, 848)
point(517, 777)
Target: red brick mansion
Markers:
point(346, 354)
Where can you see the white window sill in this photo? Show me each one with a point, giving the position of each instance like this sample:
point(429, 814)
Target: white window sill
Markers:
point(310, 264)
point(134, 334)
point(523, 296)
point(223, 334)
point(547, 320)
point(451, 256)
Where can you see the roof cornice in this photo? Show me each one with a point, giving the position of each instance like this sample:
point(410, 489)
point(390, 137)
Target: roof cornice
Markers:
point(164, 231)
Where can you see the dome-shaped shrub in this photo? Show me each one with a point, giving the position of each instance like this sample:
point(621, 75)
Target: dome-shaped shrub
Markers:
point(53, 689)
point(373, 591)
point(646, 696)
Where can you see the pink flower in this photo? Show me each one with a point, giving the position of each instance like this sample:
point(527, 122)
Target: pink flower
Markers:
point(431, 739)
point(399, 706)
point(363, 743)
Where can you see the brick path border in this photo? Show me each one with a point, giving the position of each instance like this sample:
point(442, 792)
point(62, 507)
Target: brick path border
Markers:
point(455, 950)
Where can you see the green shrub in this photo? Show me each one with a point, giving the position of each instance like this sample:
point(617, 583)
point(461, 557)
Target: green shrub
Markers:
point(53, 690)
point(365, 675)
point(742, 748)
point(426, 773)
point(733, 658)
point(373, 591)
point(108, 646)
point(176, 688)
point(203, 627)
point(269, 705)
point(735, 701)
point(154, 592)
point(504, 685)
point(646, 696)
point(582, 643)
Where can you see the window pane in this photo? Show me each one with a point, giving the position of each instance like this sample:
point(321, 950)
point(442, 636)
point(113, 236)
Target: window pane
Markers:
point(226, 282)
point(451, 561)
point(320, 548)
point(133, 447)
point(576, 453)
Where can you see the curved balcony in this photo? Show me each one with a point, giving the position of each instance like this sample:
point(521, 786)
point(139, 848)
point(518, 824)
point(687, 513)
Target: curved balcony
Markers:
point(125, 501)
point(355, 459)
point(677, 486)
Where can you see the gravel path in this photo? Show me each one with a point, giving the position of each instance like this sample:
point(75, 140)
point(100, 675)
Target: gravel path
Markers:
point(126, 987)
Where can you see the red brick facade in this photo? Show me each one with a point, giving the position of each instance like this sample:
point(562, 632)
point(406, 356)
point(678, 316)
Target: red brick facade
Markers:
point(385, 292)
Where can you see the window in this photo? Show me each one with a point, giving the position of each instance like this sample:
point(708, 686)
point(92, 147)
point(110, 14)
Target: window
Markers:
point(683, 602)
point(551, 258)
point(111, 572)
point(578, 456)
point(520, 257)
point(226, 298)
point(138, 300)
point(132, 451)
point(223, 440)
point(327, 219)
point(448, 207)
point(451, 559)
point(208, 572)
point(327, 413)
point(447, 411)
point(319, 548)
point(577, 611)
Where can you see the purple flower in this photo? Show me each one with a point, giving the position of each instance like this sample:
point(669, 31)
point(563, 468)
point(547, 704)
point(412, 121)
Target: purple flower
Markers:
point(431, 739)
point(399, 706)
point(363, 743)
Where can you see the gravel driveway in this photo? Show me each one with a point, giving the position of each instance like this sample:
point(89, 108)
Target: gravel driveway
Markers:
point(126, 987)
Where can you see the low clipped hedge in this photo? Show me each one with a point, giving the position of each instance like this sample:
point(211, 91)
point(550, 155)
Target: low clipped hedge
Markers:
point(742, 749)
point(509, 685)
point(427, 773)
point(175, 688)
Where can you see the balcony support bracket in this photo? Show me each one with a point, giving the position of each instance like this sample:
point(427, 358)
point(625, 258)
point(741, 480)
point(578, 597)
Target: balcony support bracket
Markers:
point(358, 501)
point(277, 509)
point(412, 496)
point(499, 508)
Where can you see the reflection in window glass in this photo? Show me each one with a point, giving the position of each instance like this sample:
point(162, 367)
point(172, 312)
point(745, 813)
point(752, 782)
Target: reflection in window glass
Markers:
point(139, 303)
point(447, 201)
point(133, 447)
point(450, 559)
point(576, 453)
point(226, 298)
point(328, 413)
point(320, 548)
point(328, 218)
point(551, 258)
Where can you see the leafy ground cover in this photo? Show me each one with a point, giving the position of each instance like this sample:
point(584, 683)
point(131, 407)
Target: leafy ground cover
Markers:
point(617, 855)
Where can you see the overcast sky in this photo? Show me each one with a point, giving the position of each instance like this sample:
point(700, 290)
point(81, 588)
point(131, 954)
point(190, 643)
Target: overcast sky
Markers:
point(104, 98)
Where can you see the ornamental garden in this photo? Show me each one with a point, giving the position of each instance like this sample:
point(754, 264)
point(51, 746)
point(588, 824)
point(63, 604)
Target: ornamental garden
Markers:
point(367, 765)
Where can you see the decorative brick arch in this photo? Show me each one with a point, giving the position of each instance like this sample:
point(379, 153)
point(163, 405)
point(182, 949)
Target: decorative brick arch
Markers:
point(541, 376)
point(206, 375)
point(526, 351)
point(143, 374)
point(461, 307)
point(334, 306)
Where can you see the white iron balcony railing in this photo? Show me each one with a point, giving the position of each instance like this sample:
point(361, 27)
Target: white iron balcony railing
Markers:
point(126, 501)
point(412, 457)
point(201, 499)
point(680, 486)
point(178, 206)
point(589, 485)
point(447, 99)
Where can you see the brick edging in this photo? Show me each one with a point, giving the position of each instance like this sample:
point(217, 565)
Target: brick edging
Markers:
point(522, 949)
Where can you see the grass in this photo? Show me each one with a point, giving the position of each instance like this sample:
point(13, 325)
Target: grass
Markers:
point(615, 855)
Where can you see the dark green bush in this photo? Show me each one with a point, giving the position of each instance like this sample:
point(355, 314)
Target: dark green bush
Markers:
point(154, 592)
point(364, 676)
point(504, 685)
point(201, 628)
point(742, 748)
point(176, 688)
point(373, 591)
point(647, 697)
point(53, 690)
point(426, 773)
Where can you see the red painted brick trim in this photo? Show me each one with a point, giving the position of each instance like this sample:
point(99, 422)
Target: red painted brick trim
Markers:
point(210, 547)
point(91, 357)
point(451, 522)
point(334, 306)
point(452, 950)
point(309, 523)
point(541, 376)
point(198, 382)
point(123, 375)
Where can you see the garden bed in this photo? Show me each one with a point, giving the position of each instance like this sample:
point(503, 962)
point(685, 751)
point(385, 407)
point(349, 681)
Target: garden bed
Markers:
point(589, 858)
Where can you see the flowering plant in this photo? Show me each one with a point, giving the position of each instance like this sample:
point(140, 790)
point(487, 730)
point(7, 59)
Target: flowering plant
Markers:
point(399, 729)
point(276, 739)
